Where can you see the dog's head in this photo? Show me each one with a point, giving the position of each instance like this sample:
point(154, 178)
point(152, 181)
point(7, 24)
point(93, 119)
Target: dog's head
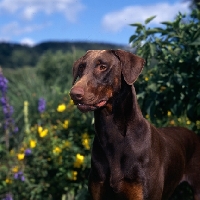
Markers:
point(97, 76)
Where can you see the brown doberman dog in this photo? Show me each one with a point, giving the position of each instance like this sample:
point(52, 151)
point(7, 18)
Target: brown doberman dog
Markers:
point(131, 159)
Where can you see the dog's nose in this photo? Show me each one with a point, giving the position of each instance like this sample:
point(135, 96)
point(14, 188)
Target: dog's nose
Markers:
point(77, 93)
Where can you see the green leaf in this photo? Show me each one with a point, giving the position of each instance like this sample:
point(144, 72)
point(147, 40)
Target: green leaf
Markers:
point(167, 23)
point(196, 35)
point(152, 31)
point(132, 38)
point(138, 25)
point(152, 87)
point(152, 49)
point(149, 19)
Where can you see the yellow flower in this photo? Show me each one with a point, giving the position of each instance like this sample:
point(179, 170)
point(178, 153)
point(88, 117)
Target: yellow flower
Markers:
point(85, 136)
point(172, 122)
point(71, 102)
point(8, 180)
point(74, 175)
point(43, 133)
point(20, 156)
point(85, 143)
point(66, 124)
point(146, 78)
point(61, 107)
point(188, 122)
point(169, 113)
point(57, 150)
point(147, 116)
point(79, 160)
point(40, 129)
point(15, 169)
point(33, 143)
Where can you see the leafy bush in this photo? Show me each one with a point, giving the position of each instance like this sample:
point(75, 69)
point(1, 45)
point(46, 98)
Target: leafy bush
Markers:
point(170, 82)
point(168, 90)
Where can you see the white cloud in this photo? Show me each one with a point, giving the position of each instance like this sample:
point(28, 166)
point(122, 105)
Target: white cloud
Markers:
point(29, 8)
point(14, 28)
point(28, 42)
point(115, 21)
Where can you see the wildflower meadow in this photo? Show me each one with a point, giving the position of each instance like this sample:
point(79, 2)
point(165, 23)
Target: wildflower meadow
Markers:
point(45, 141)
point(52, 160)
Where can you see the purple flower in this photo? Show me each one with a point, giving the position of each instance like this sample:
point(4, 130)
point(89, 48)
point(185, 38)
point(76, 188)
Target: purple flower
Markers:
point(16, 129)
point(41, 105)
point(8, 110)
point(28, 152)
point(3, 83)
point(20, 176)
point(8, 197)
point(3, 101)
point(16, 176)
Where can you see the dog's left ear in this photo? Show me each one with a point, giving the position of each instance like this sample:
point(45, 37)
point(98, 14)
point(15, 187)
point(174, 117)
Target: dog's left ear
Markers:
point(131, 65)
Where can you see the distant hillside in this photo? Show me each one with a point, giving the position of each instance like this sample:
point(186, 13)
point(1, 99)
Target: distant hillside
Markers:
point(16, 55)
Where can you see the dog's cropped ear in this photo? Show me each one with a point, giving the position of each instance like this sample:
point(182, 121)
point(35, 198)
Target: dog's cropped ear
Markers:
point(131, 65)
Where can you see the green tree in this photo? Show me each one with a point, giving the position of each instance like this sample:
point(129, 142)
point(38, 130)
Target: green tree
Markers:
point(170, 83)
point(196, 3)
point(168, 89)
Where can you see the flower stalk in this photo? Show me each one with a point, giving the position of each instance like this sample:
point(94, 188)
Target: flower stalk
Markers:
point(9, 124)
point(26, 122)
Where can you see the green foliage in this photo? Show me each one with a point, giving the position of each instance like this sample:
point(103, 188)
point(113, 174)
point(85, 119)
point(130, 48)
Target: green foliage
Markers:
point(49, 158)
point(25, 85)
point(170, 82)
point(16, 55)
point(58, 67)
point(58, 142)
point(59, 159)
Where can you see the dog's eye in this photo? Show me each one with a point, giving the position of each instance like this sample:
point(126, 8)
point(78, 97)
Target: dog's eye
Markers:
point(102, 67)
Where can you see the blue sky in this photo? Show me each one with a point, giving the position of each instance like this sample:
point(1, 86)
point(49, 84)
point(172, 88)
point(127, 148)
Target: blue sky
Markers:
point(34, 21)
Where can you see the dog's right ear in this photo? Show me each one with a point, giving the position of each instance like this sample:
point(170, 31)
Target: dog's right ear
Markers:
point(131, 65)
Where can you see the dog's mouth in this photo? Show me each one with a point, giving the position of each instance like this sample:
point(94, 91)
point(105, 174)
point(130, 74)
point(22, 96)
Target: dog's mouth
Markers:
point(87, 107)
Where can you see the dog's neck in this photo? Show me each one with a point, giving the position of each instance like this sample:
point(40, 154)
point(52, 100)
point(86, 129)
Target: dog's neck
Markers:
point(122, 112)
point(125, 108)
point(122, 130)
